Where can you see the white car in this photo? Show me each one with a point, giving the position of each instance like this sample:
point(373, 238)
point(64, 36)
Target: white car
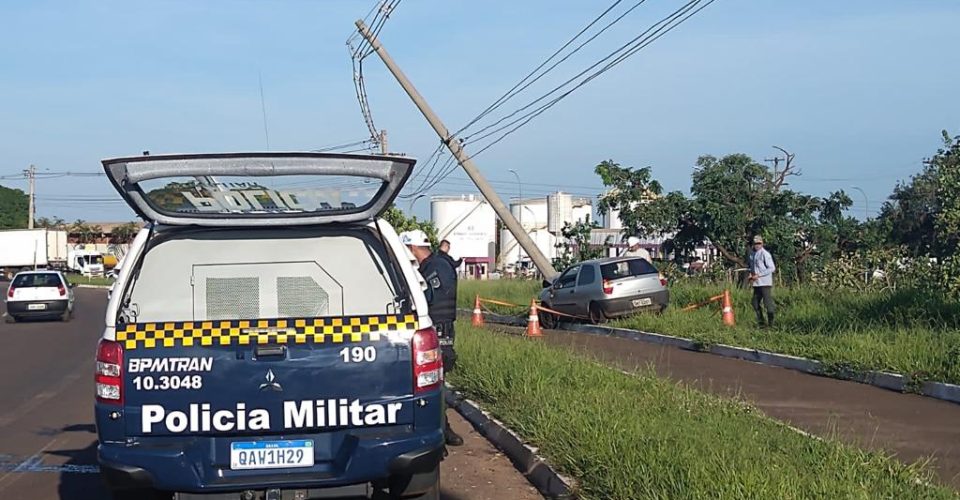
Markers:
point(41, 293)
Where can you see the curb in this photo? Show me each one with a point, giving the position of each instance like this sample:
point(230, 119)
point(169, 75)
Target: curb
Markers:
point(884, 380)
point(525, 458)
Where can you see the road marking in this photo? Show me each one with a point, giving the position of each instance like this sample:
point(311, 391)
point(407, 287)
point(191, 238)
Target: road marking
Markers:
point(35, 463)
point(9, 475)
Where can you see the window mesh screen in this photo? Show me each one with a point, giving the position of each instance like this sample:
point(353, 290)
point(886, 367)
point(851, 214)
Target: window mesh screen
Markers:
point(233, 298)
point(301, 297)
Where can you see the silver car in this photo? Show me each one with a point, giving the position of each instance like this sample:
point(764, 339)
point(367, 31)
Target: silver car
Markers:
point(606, 288)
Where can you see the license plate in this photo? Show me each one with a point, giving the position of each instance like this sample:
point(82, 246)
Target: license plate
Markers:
point(642, 302)
point(271, 454)
point(36, 307)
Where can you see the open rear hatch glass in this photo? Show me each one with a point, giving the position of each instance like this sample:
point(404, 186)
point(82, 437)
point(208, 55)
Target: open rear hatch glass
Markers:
point(258, 189)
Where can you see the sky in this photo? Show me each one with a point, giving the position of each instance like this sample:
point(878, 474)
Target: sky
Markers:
point(859, 90)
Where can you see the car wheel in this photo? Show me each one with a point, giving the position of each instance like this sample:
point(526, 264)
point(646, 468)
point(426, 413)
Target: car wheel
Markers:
point(432, 494)
point(65, 317)
point(596, 314)
point(10, 318)
point(548, 320)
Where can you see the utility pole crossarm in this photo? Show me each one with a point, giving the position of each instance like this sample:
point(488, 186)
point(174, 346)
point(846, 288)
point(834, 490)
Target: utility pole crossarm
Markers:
point(539, 259)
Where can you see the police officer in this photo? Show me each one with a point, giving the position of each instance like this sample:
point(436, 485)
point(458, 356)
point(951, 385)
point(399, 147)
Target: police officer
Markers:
point(441, 294)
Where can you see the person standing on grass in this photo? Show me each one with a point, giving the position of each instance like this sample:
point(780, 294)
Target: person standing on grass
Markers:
point(635, 250)
point(761, 266)
point(445, 253)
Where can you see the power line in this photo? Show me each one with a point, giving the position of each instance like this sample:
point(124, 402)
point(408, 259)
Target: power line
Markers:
point(640, 42)
point(516, 89)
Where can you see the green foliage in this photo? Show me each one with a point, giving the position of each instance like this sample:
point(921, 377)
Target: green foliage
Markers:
point(55, 223)
point(124, 233)
point(635, 435)
point(86, 233)
point(946, 163)
point(14, 208)
point(905, 330)
point(575, 245)
point(401, 223)
point(732, 199)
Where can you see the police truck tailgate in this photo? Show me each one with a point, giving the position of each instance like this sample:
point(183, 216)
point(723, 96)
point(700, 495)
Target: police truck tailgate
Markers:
point(267, 377)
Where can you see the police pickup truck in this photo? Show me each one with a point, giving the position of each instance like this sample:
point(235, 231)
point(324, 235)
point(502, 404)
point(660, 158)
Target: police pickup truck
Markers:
point(267, 337)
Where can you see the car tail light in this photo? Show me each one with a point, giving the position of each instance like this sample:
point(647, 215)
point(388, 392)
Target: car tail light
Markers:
point(62, 290)
point(10, 292)
point(607, 287)
point(427, 361)
point(109, 375)
point(663, 280)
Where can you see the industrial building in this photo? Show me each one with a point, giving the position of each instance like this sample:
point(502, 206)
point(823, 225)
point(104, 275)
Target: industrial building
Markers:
point(470, 224)
point(543, 219)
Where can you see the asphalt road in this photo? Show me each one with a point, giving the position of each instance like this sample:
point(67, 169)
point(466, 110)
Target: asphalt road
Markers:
point(47, 434)
point(912, 427)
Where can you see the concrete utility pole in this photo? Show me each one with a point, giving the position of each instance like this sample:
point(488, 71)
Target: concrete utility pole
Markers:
point(31, 174)
point(383, 143)
point(539, 259)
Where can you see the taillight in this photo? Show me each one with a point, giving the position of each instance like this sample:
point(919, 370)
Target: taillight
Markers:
point(663, 280)
point(427, 361)
point(109, 375)
point(62, 290)
point(607, 287)
point(10, 292)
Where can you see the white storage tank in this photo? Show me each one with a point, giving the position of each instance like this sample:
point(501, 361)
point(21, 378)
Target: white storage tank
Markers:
point(470, 224)
point(559, 212)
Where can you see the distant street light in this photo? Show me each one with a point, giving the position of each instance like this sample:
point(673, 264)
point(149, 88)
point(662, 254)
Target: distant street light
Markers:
point(866, 203)
point(520, 213)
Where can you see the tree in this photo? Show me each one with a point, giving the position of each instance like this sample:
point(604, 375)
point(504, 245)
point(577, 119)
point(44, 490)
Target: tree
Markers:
point(124, 233)
point(401, 223)
point(14, 208)
point(575, 246)
point(55, 223)
point(946, 163)
point(732, 199)
point(86, 233)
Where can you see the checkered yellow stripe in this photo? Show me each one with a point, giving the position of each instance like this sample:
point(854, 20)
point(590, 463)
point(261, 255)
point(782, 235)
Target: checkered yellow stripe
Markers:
point(263, 331)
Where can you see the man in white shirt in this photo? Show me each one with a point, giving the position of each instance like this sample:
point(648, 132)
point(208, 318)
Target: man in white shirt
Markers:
point(635, 250)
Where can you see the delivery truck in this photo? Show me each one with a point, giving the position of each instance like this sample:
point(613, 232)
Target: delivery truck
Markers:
point(44, 248)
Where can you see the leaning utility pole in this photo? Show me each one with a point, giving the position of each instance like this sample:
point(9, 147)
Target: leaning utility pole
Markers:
point(31, 174)
point(383, 143)
point(540, 260)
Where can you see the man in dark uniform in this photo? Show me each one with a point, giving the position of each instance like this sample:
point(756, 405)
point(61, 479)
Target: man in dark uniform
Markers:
point(441, 294)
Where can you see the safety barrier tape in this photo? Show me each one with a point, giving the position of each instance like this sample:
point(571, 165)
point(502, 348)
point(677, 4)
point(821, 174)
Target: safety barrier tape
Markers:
point(701, 304)
point(499, 302)
point(558, 313)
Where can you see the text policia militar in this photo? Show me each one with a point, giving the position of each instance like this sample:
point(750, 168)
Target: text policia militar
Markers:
point(199, 417)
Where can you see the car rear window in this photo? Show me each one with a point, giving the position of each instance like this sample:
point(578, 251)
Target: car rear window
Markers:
point(36, 280)
point(626, 269)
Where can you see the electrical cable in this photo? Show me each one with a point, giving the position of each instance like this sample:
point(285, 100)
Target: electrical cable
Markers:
point(517, 89)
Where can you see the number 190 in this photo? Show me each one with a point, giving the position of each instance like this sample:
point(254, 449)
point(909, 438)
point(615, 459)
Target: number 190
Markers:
point(358, 354)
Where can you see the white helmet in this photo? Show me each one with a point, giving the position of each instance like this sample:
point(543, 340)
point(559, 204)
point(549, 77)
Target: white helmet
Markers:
point(415, 238)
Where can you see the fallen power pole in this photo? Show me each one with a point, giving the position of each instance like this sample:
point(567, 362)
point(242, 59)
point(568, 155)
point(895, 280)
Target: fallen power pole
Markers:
point(539, 259)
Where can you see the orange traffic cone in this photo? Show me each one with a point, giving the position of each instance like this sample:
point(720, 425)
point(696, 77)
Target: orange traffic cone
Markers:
point(477, 313)
point(533, 322)
point(728, 318)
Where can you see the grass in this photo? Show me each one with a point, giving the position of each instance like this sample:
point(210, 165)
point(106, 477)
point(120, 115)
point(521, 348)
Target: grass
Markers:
point(637, 436)
point(907, 332)
point(77, 279)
